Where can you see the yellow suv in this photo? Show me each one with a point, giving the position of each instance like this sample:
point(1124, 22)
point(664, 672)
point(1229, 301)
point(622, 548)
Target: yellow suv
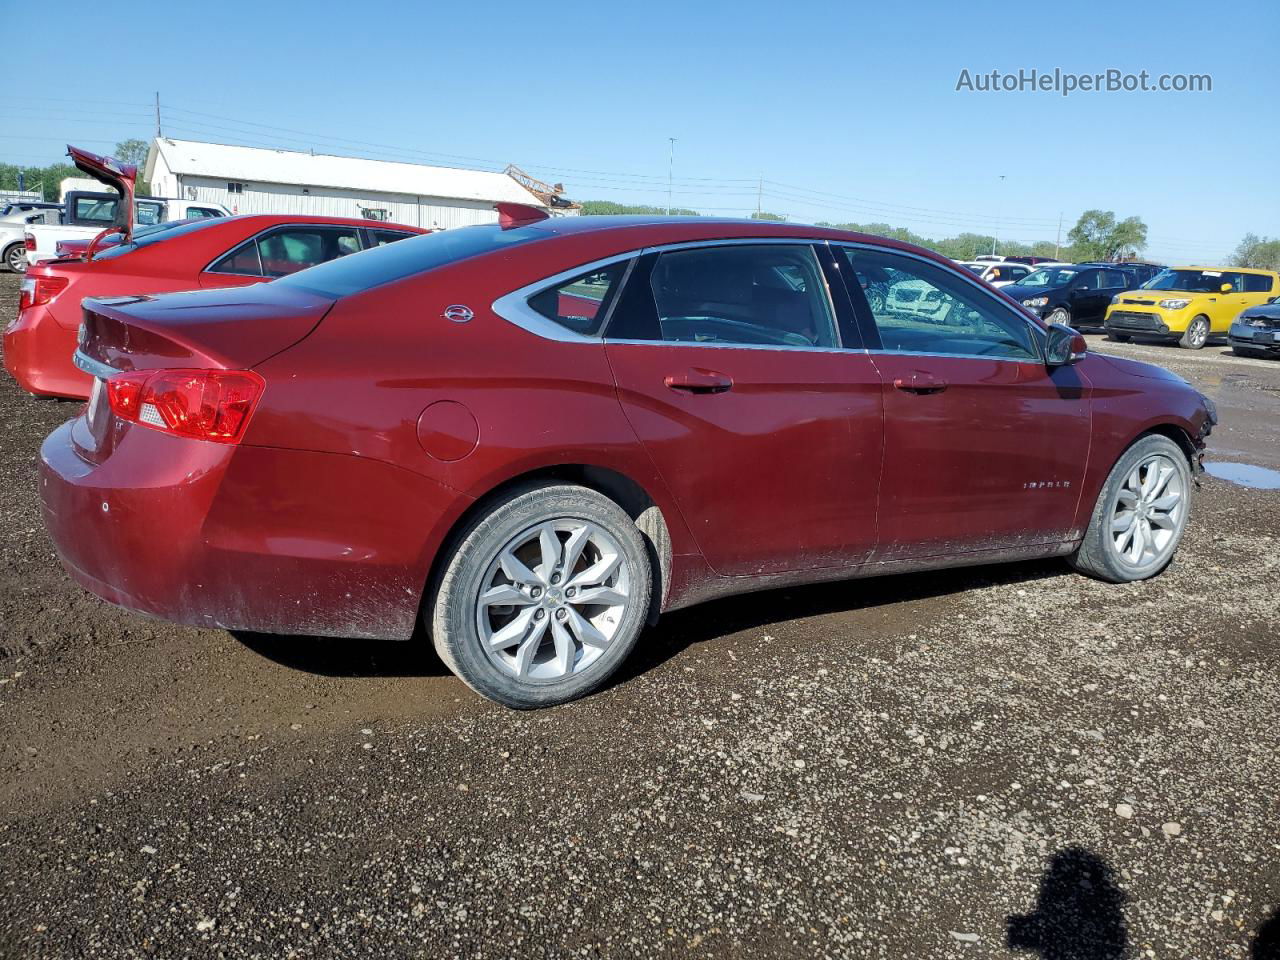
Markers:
point(1189, 304)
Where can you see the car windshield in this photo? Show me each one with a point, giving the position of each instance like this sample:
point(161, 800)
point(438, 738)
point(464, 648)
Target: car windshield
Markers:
point(1192, 281)
point(145, 236)
point(976, 267)
point(1047, 278)
point(395, 261)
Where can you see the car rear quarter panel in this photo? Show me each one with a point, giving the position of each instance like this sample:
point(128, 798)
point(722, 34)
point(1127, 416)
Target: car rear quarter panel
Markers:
point(360, 383)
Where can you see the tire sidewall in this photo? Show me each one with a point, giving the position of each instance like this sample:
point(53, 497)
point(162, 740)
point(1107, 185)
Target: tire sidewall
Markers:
point(1188, 341)
point(452, 615)
point(1119, 571)
point(1058, 315)
point(17, 267)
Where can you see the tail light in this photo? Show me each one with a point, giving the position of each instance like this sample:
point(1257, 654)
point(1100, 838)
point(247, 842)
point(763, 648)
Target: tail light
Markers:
point(29, 241)
point(201, 404)
point(36, 291)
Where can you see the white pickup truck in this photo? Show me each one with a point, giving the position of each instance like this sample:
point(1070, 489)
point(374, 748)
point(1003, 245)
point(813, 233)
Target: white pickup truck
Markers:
point(86, 216)
point(13, 230)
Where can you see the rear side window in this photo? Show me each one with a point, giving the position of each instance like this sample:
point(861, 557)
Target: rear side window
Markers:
point(379, 237)
point(1256, 283)
point(202, 212)
point(1115, 278)
point(581, 303)
point(149, 213)
point(752, 295)
point(395, 261)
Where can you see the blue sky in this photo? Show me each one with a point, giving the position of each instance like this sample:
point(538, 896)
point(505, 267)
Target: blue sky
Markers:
point(848, 111)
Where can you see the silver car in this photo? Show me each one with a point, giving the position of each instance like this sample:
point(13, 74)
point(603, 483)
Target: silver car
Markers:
point(1256, 332)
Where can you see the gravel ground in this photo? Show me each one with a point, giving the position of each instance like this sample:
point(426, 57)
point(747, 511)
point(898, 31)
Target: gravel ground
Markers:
point(995, 762)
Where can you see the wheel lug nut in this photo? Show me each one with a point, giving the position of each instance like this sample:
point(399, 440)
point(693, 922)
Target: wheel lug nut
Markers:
point(572, 591)
point(555, 578)
point(536, 592)
point(561, 614)
point(539, 614)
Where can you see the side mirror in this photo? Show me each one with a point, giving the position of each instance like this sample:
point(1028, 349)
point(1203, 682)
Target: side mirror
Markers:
point(1226, 288)
point(1064, 346)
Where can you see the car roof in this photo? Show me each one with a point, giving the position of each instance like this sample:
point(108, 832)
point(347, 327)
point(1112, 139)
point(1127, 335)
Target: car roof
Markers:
point(274, 219)
point(1267, 273)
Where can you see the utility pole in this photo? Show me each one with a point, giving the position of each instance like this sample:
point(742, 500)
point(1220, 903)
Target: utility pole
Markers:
point(998, 202)
point(671, 163)
point(759, 196)
point(1057, 240)
point(159, 131)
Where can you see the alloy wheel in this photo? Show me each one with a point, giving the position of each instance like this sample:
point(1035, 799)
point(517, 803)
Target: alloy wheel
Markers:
point(16, 259)
point(1148, 512)
point(552, 600)
point(1198, 334)
point(1058, 316)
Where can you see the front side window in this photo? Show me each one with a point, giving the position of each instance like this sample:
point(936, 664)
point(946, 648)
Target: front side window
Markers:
point(580, 304)
point(1049, 277)
point(751, 295)
point(918, 307)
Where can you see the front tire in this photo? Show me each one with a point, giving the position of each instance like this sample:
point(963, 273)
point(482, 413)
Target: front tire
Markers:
point(543, 597)
point(1196, 335)
point(15, 258)
point(1118, 337)
point(1140, 515)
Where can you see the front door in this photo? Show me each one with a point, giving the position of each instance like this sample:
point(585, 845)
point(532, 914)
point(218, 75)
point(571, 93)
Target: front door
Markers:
point(766, 429)
point(985, 448)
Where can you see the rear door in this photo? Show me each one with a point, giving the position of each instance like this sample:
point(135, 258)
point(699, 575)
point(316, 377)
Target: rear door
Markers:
point(1087, 299)
point(984, 447)
point(762, 416)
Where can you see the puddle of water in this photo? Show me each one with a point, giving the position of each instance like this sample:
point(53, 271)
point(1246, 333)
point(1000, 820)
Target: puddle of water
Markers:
point(1245, 474)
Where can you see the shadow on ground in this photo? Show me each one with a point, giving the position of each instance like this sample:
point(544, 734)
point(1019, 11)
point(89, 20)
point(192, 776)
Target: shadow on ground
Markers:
point(338, 657)
point(1266, 942)
point(1079, 914)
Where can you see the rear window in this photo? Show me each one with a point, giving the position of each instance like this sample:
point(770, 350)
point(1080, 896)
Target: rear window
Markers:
point(395, 261)
point(145, 236)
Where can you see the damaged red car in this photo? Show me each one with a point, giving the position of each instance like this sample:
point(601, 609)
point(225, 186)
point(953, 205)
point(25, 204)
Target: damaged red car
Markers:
point(535, 437)
point(180, 255)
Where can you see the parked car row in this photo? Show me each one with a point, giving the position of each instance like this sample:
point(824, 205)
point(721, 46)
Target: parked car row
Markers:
point(534, 437)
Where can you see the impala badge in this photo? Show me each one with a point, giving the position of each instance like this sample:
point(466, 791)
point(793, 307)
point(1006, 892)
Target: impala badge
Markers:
point(458, 313)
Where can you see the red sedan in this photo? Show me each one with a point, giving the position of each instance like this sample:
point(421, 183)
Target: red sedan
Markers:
point(537, 436)
point(184, 255)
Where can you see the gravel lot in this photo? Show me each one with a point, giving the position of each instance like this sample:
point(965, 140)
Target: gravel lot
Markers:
point(984, 763)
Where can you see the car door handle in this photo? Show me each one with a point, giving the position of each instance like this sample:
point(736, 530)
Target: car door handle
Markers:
point(695, 380)
point(920, 383)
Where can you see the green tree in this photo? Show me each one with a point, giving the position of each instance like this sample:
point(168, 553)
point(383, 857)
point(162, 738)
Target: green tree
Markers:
point(766, 215)
point(1098, 236)
point(606, 208)
point(135, 152)
point(1261, 253)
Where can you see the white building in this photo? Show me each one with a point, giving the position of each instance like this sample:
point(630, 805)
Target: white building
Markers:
point(257, 180)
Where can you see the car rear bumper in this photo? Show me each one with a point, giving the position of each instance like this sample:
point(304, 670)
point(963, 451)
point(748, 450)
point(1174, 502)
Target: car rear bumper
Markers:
point(37, 353)
point(243, 538)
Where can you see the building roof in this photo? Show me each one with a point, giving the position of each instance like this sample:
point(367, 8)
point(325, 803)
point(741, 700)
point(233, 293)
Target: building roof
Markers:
point(260, 165)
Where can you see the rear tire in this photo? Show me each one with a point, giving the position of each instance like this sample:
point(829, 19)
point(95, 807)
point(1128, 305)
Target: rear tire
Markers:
point(1140, 515)
point(513, 615)
point(15, 258)
point(1196, 335)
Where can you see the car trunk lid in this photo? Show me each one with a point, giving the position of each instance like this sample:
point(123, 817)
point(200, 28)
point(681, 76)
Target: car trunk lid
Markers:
point(121, 177)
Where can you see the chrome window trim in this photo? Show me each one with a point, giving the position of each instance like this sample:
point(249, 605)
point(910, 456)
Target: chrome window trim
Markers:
point(973, 280)
point(514, 306)
point(95, 368)
point(956, 356)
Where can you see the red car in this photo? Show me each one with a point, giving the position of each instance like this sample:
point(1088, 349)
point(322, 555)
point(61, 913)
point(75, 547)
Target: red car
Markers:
point(184, 255)
point(537, 436)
